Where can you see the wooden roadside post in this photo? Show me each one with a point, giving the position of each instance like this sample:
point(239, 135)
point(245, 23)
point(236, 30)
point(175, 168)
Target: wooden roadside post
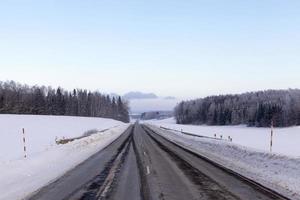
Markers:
point(272, 132)
point(24, 143)
point(229, 138)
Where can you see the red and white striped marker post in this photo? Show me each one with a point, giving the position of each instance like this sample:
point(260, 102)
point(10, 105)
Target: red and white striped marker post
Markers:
point(272, 131)
point(24, 143)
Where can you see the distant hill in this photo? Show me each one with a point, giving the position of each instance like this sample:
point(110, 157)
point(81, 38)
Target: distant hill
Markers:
point(140, 102)
point(170, 98)
point(139, 95)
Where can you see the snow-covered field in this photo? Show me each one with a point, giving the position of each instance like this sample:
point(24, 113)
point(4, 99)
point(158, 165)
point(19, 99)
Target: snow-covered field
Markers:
point(247, 156)
point(47, 161)
point(41, 132)
point(286, 141)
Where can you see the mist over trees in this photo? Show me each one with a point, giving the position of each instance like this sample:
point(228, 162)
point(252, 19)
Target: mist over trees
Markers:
point(253, 109)
point(22, 99)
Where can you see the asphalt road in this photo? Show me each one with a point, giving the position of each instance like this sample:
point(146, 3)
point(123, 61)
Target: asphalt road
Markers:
point(142, 165)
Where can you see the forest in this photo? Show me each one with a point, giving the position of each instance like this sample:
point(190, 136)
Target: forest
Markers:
point(17, 98)
point(261, 109)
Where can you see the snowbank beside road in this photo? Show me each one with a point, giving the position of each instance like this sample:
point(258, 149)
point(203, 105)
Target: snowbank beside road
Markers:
point(47, 161)
point(285, 140)
point(277, 172)
point(20, 178)
point(41, 131)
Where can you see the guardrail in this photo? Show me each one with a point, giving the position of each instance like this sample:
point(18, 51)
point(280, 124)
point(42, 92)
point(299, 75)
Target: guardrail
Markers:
point(67, 140)
point(194, 135)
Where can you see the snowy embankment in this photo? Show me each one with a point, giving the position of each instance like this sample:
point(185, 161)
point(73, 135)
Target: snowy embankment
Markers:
point(285, 140)
point(276, 171)
point(47, 161)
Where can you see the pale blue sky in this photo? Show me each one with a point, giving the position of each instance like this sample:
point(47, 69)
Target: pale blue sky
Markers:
point(179, 48)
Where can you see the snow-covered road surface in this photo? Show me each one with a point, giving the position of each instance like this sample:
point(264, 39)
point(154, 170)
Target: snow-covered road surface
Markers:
point(143, 165)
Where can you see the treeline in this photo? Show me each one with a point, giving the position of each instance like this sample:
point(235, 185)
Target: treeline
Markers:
point(282, 107)
point(22, 99)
